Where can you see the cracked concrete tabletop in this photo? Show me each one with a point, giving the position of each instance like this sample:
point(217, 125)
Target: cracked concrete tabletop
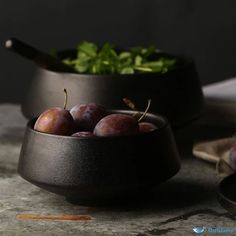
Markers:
point(187, 200)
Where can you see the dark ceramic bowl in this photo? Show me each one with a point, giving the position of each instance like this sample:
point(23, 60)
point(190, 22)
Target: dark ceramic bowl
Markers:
point(99, 169)
point(176, 94)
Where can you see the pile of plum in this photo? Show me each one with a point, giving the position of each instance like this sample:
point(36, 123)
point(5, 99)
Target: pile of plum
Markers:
point(90, 120)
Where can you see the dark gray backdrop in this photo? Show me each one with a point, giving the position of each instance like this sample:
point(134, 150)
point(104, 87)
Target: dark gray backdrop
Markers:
point(202, 29)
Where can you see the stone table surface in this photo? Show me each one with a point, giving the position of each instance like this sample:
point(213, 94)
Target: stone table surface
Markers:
point(188, 199)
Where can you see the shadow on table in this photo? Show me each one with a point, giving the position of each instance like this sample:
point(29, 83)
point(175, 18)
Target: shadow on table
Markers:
point(174, 194)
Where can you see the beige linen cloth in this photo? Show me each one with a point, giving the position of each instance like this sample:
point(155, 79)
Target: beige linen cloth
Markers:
point(220, 99)
point(216, 152)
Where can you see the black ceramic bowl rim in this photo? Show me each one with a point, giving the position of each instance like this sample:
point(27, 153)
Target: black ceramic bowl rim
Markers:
point(161, 118)
point(185, 62)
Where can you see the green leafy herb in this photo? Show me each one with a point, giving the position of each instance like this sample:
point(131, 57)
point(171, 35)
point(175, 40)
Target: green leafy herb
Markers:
point(107, 60)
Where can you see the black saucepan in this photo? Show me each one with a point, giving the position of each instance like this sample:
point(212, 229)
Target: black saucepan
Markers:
point(176, 94)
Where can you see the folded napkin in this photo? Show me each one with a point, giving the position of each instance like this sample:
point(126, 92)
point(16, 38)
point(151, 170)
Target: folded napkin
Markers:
point(216, 152)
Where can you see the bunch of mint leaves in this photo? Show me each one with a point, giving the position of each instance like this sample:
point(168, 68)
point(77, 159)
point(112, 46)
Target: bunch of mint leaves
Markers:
point(92, 59)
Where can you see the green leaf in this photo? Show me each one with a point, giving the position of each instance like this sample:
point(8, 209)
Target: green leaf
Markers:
point(124, 55)
point(159, 63)
point(83, 56)
point(88, 48)
point(127, 70)
point(146, 52)
point(106, 60)
point(68, 61)
point(138, 60)
point(143, 69)
point(81, 66)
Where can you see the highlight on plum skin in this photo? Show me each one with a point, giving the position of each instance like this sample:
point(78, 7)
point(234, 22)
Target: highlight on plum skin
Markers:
point(86, 116)
point(83, 134)
point(116, 125)
point(145, 127)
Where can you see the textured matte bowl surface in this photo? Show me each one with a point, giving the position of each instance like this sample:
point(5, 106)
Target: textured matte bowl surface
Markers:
point(176, 94)
point(96, 169)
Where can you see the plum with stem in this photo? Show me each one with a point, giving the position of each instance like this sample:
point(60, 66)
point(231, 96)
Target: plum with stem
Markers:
point(116, 125)
point(120, 124)
point(56, 120)
point(143, 126)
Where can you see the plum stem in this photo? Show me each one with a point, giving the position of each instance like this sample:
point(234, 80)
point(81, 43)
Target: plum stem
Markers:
point(132, 106)
point(146, 110)
point(65, 100)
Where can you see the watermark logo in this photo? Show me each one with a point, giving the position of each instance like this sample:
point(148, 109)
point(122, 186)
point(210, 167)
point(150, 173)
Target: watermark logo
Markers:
point(223, 230)
point(198, 229)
